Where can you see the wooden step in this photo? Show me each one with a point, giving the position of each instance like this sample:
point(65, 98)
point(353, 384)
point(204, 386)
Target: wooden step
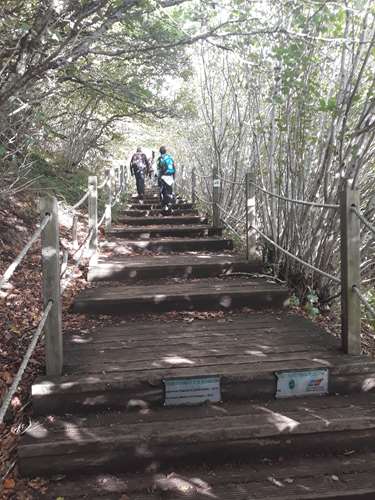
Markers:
point(345, 476)
point(168, 245)
point(156, 205)
point(159, 231)
point(177, 212)
point(134, 440)
point(110, 367)
point(137, 268)
point(203, 294)
point(164, 220)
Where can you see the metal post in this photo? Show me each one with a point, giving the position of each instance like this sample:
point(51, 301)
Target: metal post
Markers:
point(350, 269)
point(108, 202)
point(250, 217)
point(193, 186)
point(215, 197)
point(51, 287)
point(93, 212)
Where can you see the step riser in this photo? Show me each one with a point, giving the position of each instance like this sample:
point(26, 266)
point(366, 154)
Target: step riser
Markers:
point(115, 456)
point(260, 388)
point(180, 246)
point(213, 301)
point(178, 232)
point(163, 220)
point(178, 212)
point(123, 273)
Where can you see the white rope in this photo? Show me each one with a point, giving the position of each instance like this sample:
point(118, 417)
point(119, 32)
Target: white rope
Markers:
point(101, 220)
point(310, 266)
point(13, 266)
point(291, 200)
point(70, 276)
point(236, 183)
point(364, 301)
point(226, 223)
point(230, 215)
point(101, 186)
point(8, 398)
point(363, 219)
point(79, 203)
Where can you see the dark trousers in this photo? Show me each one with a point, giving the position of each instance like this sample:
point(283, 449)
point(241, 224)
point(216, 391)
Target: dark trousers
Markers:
point(166, 193)
point(140, 180)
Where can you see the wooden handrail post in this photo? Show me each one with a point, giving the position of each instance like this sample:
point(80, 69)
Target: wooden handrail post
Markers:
point(193, 186)
point(93, 212)
point(122, 172)
point(350, 269)
point(51, 286)
point(251, 240)
point(215, 197)
point(74, 231)
point(108, 200)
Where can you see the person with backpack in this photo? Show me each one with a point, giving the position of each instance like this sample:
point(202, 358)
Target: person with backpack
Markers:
point(167, 172)
point(139, 167)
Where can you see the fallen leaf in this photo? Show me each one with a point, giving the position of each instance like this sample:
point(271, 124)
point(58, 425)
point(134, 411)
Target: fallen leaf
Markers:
point(9, 484)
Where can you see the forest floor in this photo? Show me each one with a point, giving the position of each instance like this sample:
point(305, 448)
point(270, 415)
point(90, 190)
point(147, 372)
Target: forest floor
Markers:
point(20, 311)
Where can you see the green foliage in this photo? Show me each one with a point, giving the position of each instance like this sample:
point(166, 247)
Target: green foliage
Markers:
point(50, 178)
point(311, 305)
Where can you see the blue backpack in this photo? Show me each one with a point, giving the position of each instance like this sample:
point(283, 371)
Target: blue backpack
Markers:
point(167, 164)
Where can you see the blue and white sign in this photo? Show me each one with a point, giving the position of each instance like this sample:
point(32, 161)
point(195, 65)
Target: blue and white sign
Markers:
point(192, 390)
point(302, 383)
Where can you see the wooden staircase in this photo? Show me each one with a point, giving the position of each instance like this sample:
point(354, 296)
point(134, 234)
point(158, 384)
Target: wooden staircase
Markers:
point(108, 413)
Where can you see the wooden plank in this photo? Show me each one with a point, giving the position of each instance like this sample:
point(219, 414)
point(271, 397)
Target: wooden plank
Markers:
point(353, 472)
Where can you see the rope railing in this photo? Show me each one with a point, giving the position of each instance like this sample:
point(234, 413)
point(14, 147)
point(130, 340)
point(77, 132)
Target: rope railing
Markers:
point(70, 276)
point(80, 202)
point(297, 202)
point(364, 301)
point(236, 218)
point(363, 219)
point(17, 261)
point(229, 181)
point(306, 264)
point(49, 232)
point(17, 379)
point(350, 218)
point(101, 220)
point(231, 228)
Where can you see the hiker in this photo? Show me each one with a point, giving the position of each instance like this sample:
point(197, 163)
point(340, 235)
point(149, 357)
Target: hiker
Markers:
point(153, 169)
point(139, 167)
point(167, 172)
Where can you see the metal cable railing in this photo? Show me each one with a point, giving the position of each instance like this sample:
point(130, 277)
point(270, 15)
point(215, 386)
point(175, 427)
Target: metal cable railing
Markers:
point(17, 261)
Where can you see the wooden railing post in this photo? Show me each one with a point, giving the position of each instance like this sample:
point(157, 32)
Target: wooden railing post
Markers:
point(350, 269)
point(93, 212)
point(51, 287)
point(74, 231)
point(193, 186)
point(108, 200)
point(250, 217)
point(215, 198)
point(122, 172)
